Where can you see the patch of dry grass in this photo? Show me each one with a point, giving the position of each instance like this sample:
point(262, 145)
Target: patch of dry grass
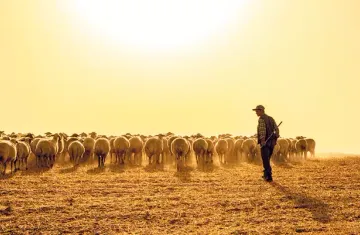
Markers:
point(317, 196)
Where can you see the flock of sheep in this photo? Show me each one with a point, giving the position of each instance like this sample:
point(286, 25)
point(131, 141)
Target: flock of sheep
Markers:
point(169, 148)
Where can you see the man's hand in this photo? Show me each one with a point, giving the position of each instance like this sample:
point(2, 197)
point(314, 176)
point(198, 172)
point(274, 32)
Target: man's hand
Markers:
point(262, 142)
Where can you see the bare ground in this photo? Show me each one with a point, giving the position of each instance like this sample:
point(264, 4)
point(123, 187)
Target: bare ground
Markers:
point(316, 196)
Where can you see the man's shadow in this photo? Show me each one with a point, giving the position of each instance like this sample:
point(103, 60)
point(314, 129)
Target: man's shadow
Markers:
point(320, 210)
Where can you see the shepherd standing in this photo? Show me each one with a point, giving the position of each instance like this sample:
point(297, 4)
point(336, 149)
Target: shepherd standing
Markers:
point(266, 139)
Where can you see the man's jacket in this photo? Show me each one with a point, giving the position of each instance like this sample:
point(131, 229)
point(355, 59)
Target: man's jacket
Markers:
point(270, 127)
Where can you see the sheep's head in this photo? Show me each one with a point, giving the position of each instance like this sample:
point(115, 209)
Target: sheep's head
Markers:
point(13, 140)
point(56, 137)
point(93, 135)
point(5, 138)
point(160, 136)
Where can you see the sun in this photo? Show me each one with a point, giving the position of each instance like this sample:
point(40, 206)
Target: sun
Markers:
point(156, 24)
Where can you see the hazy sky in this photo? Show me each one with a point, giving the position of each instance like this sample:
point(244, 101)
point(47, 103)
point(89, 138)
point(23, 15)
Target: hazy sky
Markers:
point(60, 71)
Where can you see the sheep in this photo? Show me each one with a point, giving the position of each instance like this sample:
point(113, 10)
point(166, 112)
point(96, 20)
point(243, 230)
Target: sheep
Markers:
point(5, 138)
point(170, 140)
point(275, 152)
point(310, 146)
point(76, 152)
point(121, 146)
point(153, 149)
point(93, 135)
point(230, 153)
point(33, 144)
point(166, 152)
point(189, 155)
point(300, 148)
point(284, 149)
point(292, 149)
point(200, 147)
point(221, 148)
point(112, 150)
point(136, 147)
point(46, 150)
point(210, 151)
point(101, 150)
point(89, 145)
point(7, 154)
point(180, 148)
point(23, 152)
point(238, 147)
point(61, 147)
point(249, 149)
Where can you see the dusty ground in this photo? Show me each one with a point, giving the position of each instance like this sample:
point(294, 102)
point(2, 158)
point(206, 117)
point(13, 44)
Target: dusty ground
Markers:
point(317, 196)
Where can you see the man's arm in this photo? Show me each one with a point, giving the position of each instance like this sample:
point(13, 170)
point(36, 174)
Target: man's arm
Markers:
point(262, 131)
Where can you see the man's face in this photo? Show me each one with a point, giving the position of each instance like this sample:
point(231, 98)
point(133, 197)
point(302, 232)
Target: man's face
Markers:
point(259, 112)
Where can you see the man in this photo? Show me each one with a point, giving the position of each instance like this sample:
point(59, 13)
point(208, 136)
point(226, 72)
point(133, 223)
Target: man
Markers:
point(266, 127)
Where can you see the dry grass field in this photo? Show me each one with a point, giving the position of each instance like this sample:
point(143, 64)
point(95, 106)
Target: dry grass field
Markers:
point(321, 195)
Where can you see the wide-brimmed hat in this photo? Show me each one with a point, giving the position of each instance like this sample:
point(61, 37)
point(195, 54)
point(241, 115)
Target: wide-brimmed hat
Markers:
point(259, 107)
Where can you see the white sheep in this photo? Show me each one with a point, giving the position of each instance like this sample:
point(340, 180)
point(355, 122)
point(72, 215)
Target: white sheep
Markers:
point(112, 150)
point(46, 150)
point(136, 147)
point(221, 148)
point(166, 154)
point(284, 149)
point(180, 148)
point(153, 149)
point(230, 153)
point(7, 154)
point(23, 152)
point(89, 145)
point(210, 151)
point(300, 148)
point(200, 147)
point(238, 148)
point(275, 153)
point(101, 150)
point(249, 149)
point(310, 146)
point(121, 146)
point(76, 152)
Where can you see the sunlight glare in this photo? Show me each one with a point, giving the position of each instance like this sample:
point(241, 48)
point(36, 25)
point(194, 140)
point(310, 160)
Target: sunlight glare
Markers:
point(157, 24)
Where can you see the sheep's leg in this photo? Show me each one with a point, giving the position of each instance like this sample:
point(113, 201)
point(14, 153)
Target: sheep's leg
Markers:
point(158, 158)
point(4, 170)
point(124, 158)
point(99, 161)
point(16, 162)
point(140, 156)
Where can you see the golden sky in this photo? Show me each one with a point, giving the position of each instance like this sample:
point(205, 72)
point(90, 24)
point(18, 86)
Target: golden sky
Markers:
point(299, 58)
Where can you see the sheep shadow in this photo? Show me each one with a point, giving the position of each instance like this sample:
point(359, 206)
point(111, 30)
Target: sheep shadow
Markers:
point(69, 170)
point(319, 210)
point(282, 164)
point(35, 170)
point(115, 168)
point(210, 167)
point(154, 168)
point(95, 171)
point(184, 176)
point(7, 176)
